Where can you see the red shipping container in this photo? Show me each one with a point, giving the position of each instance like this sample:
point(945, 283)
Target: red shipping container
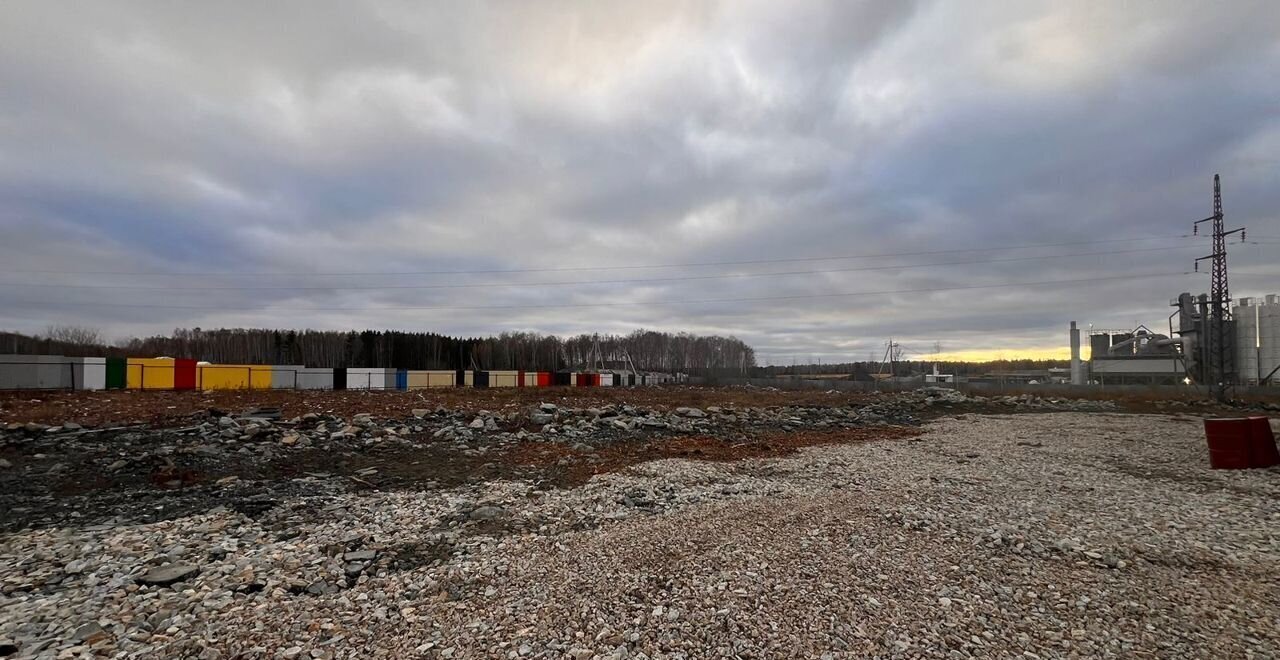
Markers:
point(1262, 443)
point(519, 379)
point(184, 374)
point(1230, 443)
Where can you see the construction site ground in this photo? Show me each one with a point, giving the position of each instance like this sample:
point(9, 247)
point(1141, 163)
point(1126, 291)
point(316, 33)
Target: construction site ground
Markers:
point(678, 522)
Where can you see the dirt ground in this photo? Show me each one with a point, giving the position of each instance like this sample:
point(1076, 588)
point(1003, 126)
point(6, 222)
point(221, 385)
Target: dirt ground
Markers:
point(161, 408)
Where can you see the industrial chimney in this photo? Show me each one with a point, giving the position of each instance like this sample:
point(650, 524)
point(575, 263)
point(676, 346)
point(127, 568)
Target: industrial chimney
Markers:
point(1077, 372)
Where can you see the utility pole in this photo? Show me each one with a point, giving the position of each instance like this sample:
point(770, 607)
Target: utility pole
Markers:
point(890, 357)
point(1220, 368)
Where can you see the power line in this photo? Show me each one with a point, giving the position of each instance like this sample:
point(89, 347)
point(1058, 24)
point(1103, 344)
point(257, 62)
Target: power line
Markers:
point(483, 285)
point(616, 304)
point(588, 268)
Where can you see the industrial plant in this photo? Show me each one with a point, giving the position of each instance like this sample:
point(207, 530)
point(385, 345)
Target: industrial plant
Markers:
point(1216, 345)
point(1187, 352)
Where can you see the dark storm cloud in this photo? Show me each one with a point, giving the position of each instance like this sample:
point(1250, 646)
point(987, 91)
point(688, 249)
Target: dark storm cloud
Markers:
point(227, 139)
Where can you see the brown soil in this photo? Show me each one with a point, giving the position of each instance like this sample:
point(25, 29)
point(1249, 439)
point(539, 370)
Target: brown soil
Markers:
point(581, 466)
point(162, 408)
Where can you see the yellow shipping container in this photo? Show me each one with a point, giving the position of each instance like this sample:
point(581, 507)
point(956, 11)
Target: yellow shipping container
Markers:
point(149, 373)
point(420, 379)
point(233, 376)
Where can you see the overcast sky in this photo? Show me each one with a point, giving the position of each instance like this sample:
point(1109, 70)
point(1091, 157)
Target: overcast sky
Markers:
point(218, 164)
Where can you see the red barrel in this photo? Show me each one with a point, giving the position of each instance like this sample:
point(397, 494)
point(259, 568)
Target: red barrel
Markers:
point(1262, 446)
point(1230, 443)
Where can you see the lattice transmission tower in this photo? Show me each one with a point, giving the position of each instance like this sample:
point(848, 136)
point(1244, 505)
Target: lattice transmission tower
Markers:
point(1220, 370)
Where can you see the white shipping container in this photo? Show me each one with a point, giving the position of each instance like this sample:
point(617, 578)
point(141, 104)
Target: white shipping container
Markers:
point(89, 373)
point(371, 378)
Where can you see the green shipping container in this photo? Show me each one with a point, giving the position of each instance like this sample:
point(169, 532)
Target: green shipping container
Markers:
point(116, 368)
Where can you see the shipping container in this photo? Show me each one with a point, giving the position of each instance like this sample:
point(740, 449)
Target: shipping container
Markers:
point(562, 379)
point(481, 380)
point(54, 373)
point(545, 378)
point(417, 379)
point(370, 378)
point(116, 373)
point(313, 378)
point(89, 373)
point(184, 374)
point(20, 372)
point(285, 377)
point(339, 378)
point(402, 379)
point(150, 373)
point(234, 376)
point(504, 378)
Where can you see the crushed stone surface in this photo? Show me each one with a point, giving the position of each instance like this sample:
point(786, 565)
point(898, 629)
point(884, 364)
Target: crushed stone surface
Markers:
point(1033, 535)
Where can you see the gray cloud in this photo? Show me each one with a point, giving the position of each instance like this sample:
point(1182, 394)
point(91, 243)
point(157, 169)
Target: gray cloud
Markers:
point(229, 139)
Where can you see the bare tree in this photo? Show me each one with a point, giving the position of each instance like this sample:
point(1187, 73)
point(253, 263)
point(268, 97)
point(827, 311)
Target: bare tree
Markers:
point(76, 335)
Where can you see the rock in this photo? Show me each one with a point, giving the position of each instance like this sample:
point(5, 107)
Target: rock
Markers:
point(476, 423)
point(486, 513)
point(71, 426)
point(5, 465)
point(227, 423)
point(163, 576)
point(360, 555)
point(320, 588)
point(420, 412)
point(89, 632)
point(548, 407)
point(690, 412)
point(291, 652)
point(32, 427)
point(541, 418)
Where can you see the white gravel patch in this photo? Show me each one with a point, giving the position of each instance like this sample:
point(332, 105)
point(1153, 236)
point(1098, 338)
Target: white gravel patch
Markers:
point(1047, 535)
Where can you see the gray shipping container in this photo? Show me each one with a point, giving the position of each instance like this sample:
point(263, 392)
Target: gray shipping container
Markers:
point(313, 378)
point(284, 376)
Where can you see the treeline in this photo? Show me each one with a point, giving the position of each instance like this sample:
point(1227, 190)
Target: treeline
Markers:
point(647, 350)
point(68, 342)
point(863, 370)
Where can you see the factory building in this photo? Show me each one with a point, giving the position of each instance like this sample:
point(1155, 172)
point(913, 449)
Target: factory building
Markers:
point(1134, 357)
point(1257, 339)
point(1143, 357)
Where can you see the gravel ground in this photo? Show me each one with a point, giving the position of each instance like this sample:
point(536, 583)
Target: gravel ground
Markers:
point(1034, 535)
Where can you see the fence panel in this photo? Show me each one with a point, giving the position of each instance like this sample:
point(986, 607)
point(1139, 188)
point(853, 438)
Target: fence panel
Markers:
point(149, 373)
